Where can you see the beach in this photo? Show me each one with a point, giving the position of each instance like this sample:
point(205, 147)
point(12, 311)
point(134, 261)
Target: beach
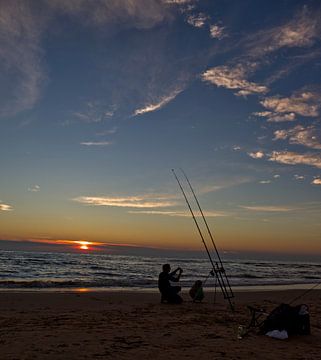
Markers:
point(84, 324)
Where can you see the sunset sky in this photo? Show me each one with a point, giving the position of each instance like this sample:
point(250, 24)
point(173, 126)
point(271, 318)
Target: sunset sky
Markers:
point(101, 99)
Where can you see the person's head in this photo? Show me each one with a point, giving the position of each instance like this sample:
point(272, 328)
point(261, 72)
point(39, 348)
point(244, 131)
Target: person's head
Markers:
point(166, 268)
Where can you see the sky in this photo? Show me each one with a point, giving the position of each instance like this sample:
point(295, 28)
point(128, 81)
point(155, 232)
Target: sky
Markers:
point(101, 99)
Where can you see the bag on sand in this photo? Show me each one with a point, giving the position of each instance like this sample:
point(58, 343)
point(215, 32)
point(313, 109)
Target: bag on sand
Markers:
point(294, 319)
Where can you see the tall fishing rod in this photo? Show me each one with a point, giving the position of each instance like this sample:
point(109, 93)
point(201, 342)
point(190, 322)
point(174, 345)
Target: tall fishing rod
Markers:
point(194, 218)
point(217, 270)
point(204, 219)
point(220, 269)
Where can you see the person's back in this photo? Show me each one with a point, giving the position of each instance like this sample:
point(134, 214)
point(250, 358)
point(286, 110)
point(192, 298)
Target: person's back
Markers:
point(163, 282)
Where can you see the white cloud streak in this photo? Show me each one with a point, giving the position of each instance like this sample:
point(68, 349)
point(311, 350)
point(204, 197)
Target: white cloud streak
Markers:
point(275, 117)
point(126, 202)
point(207, 214)
point(96, 143)
point(156, 106)
point(269, 208)
point(233, 78)
point(5, 207)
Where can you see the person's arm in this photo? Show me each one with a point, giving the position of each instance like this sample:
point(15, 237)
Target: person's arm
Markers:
point(173, 273)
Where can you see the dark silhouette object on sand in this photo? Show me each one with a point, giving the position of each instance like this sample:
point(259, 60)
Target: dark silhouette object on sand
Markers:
point(196, 291)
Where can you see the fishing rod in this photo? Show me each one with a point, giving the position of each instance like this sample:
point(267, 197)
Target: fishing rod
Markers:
point(194, 218)
point(218, 270)
point(304, 293)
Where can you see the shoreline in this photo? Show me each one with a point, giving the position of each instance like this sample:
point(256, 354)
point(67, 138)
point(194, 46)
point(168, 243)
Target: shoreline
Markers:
point(236, 289)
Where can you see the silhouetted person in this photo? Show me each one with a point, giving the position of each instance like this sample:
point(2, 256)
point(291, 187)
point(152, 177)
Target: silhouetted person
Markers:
point(169, 292)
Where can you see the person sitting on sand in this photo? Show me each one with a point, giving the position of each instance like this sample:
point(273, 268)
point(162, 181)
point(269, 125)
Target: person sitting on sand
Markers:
point(196, 291)
point(169, 293)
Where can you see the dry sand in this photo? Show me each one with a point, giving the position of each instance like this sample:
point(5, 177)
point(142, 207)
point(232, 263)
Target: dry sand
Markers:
point(134, 325)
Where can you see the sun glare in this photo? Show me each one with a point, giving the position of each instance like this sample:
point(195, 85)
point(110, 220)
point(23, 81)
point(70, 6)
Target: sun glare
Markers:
point(83, 245)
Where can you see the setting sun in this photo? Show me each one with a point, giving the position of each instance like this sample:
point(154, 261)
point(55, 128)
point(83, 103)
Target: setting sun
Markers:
point(83, 245)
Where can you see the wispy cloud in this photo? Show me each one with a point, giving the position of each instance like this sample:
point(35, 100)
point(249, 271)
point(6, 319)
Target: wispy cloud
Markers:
point(217, 32)
point(276, 117)
point(257, 155)
point(306, 136)
point(316, 181)
point(20, 57)
point(142, 201)
point(299, 177)
point(305, 103)
point(34, 188)
point(96, 143)
point(233, 78)
point(301, 31)
point(107, 132)
point(207, 214)
point(158, 105)
point(95, 112)
point(198, 20)
point(269, 208)
point(292, 158)
point(5, 207)
point(140, 14)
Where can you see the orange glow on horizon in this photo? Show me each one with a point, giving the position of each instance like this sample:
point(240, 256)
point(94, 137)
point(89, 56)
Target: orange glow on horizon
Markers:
point(84, 245)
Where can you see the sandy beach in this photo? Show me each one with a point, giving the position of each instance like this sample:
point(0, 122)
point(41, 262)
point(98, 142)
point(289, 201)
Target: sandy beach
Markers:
point(134, 325)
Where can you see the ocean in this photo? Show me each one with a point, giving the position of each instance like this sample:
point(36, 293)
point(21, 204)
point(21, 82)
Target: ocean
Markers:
point(44, 270)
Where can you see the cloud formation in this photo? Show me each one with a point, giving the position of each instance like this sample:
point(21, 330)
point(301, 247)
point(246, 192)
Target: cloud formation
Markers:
point(34, 188)
point(300, 135)
point(292, 158)
point(5, 207)
point(233, 78)
point(305, 103)
point(316, 181)
point(127, 202)
point(198, 20)
point(217, 32)
point(257, 155)
point(275, 117)
point(301, 31)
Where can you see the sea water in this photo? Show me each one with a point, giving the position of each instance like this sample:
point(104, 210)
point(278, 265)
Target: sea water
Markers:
point(44, 270)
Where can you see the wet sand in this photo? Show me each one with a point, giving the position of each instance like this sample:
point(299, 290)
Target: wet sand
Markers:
point(134, 325)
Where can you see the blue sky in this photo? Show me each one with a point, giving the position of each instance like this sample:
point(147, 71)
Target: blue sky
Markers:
point(99, 100)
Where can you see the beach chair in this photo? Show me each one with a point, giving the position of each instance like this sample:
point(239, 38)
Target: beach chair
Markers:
point(257, 317)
